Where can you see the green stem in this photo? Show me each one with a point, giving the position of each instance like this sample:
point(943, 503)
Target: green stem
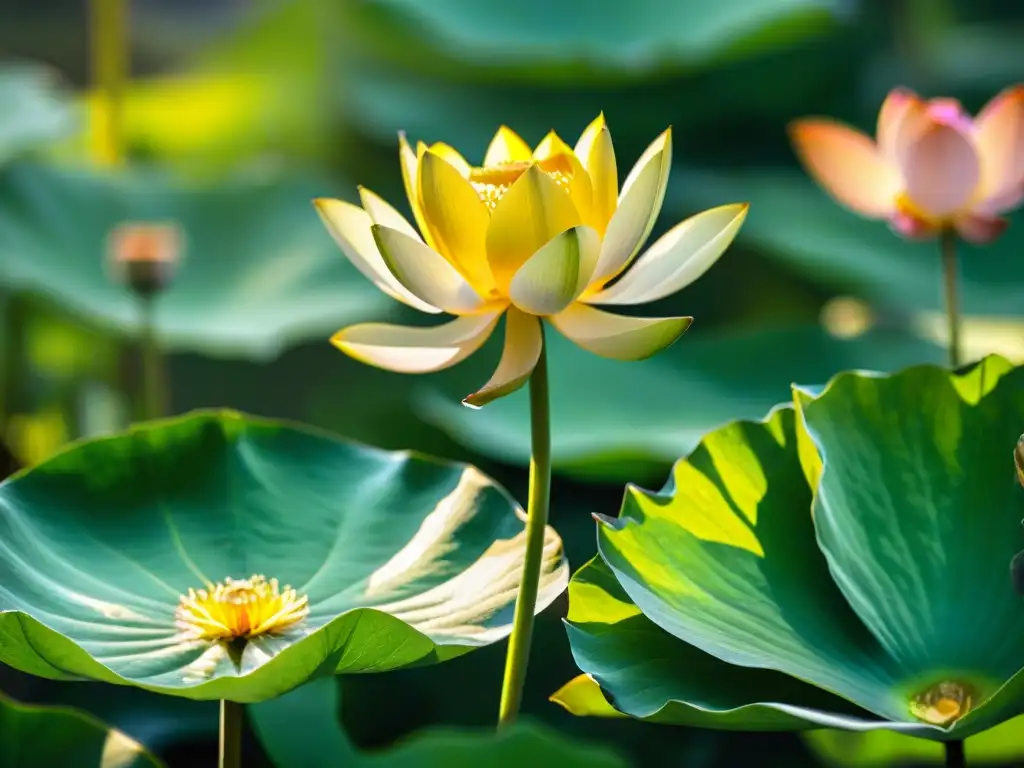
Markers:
point(536, 524)
point(154, 375)
point(955, 757)
point(108, 48)
point(949, 274)
point(231, 715)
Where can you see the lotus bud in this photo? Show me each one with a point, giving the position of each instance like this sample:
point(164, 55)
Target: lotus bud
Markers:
point(145, 255)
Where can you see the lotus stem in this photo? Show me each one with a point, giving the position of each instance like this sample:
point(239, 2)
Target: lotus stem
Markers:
point(232, 715)
point(536, 524)
point(955, 754)
point(108, 44)
point(949, 273)
point(154, 374)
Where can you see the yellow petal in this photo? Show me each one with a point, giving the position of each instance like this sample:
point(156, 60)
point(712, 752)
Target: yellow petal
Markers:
point(616, 336)
point(594, 149)
point(848, 166)
point(426, 273)
point(555, 157)
point(678, 258)
point(416, 350)
point(456, 219)
point(350, 226)
point(999, 136)
point(385, 214)
point(638, 208)
point(506, 147)
point(550, 280)
point(523, 344)
point(410, 171)
point(452, 157)
point(533, 211)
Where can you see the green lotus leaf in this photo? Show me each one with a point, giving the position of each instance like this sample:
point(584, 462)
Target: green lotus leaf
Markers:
point(859, 544)
point(35, 111)
point(795, 222)
point(999, 746)
point(396, 560)
point(317, 704)
point(43, 737)
point(536, 40)
point(640, 436)
point(258, 271)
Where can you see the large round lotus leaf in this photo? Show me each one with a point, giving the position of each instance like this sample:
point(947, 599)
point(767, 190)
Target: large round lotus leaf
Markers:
point(404, 560)
point(537, 39)
point(861, 547)
point(645, 414)
point(258, 269)
point(34, 111)
point(794, 221)
point(44, 737)
point(317, 704)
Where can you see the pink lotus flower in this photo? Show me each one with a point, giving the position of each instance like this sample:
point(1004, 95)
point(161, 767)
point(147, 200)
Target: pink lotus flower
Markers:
point(931, 168)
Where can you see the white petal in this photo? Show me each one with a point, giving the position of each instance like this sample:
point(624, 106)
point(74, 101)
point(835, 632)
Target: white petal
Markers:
point(616, 336)
point(426, 273)
point(350, 226)
point(550, 280)
point(639, 205)
point(680, 256)
point(523, 345)
point(416, 350)
point(383, 213)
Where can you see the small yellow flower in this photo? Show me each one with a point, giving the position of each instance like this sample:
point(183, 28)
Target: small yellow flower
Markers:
point(239, 609)
point(532, 234)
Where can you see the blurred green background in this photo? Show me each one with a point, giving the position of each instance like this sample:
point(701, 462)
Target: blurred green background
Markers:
point(239, 112)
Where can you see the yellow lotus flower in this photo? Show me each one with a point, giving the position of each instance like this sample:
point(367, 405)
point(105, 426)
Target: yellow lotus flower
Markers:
point(531, 234)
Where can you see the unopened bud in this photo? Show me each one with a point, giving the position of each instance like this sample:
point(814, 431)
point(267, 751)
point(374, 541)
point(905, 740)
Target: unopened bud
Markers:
point(145, 255)
point(1018, 459)
point(1017, 572)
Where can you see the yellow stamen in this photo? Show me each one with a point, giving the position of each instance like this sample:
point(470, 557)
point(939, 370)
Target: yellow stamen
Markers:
point(239, 609)
point(942, 703)
point(492, 182)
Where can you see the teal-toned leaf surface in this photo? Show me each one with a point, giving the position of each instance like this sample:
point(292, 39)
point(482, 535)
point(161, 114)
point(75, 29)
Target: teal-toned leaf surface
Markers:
point(888, 585)
point(795, 222)
point(34, 109)
point(322, 739)
point(1000, 746)
point(646, 414)
point(540, 40)
point(636, 668)
point(920, 515)
point(258, 270)
point(404, 560)
point(43, 737)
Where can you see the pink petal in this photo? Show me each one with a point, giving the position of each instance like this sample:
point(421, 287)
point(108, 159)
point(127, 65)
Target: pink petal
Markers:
point(895, 108)
point(1000, 140)
point(912, 227)
point(848, 165)
point(975, 228)
point(940, 170)
point(952, 113)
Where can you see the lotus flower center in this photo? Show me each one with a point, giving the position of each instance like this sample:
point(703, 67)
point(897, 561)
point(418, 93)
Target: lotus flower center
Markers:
point(493, 181)
point(240, 609)
point(943, 703)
